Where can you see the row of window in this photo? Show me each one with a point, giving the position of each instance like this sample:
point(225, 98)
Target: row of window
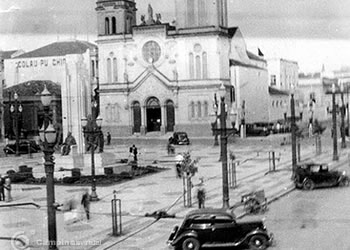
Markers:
point(198, 66)
point(199, 109)
point(279, 103)
point(111, 25)
point(112, 69)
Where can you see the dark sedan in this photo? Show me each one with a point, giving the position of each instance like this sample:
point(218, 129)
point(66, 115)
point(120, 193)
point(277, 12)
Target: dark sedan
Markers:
point(311, 175)
point(218, 228)
point(24, 147)
point(179, 138)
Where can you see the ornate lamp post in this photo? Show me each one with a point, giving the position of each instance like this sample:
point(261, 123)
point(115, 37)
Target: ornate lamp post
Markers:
point(221, 128)
point(48, 137)
point(16, 110)
point(92, 131)
point(342, 114)
point(215, 124)
point(223, 145)
point(334, 118)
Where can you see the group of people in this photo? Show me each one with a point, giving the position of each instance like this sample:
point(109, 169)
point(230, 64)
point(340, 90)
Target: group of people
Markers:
point(5, 188)
point(70, 141)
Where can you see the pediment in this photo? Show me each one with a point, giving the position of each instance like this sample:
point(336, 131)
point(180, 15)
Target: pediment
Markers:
point(151, 84)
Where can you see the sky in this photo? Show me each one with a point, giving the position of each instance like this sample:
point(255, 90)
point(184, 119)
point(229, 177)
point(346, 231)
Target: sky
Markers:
point(311, 32)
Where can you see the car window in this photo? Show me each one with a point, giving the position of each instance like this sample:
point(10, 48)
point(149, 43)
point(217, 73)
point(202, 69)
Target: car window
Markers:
point(314, 169)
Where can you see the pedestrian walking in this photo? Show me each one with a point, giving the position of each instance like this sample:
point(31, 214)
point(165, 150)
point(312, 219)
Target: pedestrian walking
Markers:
point(7, 187)
point(109, 137)
point(201, 193)
point(2, 188)
point(133, 151)
point(85, 202)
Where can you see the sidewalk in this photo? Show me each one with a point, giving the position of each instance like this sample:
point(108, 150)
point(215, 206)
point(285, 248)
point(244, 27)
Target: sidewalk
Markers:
point(163, 191)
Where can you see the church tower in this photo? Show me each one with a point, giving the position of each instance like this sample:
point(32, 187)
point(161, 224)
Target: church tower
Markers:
point(201, 14)
point(115, 17)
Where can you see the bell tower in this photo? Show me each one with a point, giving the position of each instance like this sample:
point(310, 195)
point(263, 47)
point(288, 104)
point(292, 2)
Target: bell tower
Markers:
point(115, 17)
point(201, 13)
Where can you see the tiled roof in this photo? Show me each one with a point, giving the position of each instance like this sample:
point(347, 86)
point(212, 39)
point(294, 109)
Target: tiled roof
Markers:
point(254, 57)
point(274, 91)
point(59, 49)
point(32, 88)
point(7, 54)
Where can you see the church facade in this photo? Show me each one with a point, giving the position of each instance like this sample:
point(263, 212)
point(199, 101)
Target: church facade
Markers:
point(157, 77)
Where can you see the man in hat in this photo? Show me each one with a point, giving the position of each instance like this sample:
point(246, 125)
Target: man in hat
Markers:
point(201, 193)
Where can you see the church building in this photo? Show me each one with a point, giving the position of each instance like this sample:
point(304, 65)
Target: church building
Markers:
point(161, 77)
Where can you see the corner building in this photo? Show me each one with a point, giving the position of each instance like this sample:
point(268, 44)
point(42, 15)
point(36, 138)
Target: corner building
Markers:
point(157, 77)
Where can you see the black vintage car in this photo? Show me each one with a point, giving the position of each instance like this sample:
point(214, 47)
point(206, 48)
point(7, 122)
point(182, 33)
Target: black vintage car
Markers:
point(218, 228)
point(259, 129)
point(179, 138)
point(311, 175)
point(25, 147)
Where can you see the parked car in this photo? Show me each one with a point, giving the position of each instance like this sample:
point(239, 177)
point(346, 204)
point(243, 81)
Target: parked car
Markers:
point(179, 138)
point(25, 147)
point(258, 129)
point(217, 228)
point(311, 175)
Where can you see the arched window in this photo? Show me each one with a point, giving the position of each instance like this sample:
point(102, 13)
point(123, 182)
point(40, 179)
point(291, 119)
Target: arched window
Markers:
point(108, 113)
point(206, 111)
point(109, 70)
point(205, 65)
point(202, 12)
point(191, 60)
point(199, 109)
point(190, 13)
point(92, 68)
point(128, 25)
point(115, 70)
point(107, 26)
point(233, 94)
point(193, 111)
point(276, 104)
point(114, 25)
point(198, 68)
point(273, 103)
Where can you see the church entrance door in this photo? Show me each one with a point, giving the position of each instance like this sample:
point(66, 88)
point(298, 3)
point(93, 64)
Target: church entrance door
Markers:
point(154, 115)
point(170, 116)
point(136, 111)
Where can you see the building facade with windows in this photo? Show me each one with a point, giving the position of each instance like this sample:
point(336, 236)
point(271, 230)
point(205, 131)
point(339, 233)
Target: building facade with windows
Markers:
point(157, 77)
point(71, 65)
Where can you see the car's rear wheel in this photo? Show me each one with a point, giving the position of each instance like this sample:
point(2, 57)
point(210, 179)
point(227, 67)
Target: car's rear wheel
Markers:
point(257, 242)
point(308, 184)
point(190, 244)
point(344, 182)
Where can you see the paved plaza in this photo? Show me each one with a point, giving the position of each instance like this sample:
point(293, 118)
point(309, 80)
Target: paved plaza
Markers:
point(160, 191)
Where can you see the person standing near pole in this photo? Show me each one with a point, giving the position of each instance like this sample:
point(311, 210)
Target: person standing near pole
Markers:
point(201, 193)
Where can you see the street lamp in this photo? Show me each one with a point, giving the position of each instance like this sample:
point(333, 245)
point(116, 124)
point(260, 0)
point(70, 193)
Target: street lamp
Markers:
point(342, 115)
point(334, 118)
point(92, 131)
point(16, 109)
point(294, 137)
point(215, 124)
point(48, 137)
point(223, 146)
